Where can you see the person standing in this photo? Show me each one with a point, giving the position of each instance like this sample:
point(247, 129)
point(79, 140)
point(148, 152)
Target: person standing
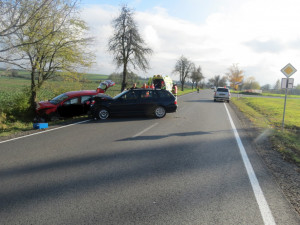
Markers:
point(174, 90)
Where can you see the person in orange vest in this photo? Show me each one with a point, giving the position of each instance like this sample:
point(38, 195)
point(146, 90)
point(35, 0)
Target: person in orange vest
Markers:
point(144, 85)
point(174, 90)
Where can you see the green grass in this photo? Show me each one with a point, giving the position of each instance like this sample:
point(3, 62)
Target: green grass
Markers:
point(272, 110)
point(268, 113)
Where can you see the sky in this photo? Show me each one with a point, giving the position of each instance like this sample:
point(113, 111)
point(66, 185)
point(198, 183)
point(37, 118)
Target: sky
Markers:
point(260, 36)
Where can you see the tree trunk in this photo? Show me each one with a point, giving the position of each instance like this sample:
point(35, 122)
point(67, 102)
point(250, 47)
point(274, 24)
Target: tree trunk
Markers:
point(124, 82)
point(33, 94)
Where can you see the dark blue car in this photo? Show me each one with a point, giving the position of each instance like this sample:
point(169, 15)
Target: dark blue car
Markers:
point(133, 102)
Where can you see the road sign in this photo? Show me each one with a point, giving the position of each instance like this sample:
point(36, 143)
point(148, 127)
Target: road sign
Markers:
point(288, 70)
point(287, 83)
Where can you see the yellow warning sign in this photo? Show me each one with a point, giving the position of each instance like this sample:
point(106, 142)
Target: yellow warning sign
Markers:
point(288, 70)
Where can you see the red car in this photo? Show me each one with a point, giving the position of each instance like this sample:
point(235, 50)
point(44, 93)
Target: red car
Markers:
point(69, 104)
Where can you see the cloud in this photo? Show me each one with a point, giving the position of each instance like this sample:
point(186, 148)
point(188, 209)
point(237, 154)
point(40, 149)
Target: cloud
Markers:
point(261, 36)
point(270, 46)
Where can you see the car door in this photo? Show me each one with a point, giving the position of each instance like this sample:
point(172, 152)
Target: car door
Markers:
point(71, 107)
point(148, 101)
point(86, 101)
point(127, 104)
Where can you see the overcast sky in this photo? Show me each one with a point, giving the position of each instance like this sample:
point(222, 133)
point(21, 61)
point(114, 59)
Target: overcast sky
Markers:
point(262, 36)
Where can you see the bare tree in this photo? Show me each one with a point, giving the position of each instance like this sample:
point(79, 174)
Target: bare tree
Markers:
point(51, 54)
point(184, 67)
point(196, 76)
point(127, 45)
point(218, 81)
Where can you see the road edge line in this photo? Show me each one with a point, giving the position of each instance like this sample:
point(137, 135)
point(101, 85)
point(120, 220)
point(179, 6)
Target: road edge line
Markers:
point(45, 131)
point(259, 195)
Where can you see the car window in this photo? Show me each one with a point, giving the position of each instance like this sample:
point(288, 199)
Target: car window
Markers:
point(164, 94)
point(120, 95)
point(222, 90)
point(131, 95)
point(59, 99)
point(85, 98)
point(148, 94)
point(71, 101)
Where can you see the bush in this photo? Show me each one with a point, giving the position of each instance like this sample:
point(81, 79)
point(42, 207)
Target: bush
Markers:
point(16, 106)
point(3, 125)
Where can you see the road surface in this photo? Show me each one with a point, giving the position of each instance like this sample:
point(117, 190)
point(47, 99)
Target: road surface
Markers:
point(194, 166)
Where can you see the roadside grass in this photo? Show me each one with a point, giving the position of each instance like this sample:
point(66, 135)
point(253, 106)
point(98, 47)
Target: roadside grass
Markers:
point(185, 91)
point(266, 94)
point(267, 113)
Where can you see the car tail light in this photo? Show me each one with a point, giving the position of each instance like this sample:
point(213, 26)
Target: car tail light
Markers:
point(92, 102)
point(175, 102)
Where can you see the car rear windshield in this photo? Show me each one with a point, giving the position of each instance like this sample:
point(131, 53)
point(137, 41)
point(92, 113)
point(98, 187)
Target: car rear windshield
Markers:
point(222, 90)
point(164, 94)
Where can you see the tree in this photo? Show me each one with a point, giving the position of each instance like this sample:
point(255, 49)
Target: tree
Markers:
point(277, 85)
point(131, 78)
point(127, 45)
point(218, 81)
point(15, 14)
point(196, 76)
point(266, 87)
point(52, 54)
point(251, 83)
point(184, 67)
point(235, 75)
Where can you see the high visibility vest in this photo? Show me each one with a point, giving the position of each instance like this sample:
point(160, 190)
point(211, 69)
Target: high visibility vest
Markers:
point(174, 90)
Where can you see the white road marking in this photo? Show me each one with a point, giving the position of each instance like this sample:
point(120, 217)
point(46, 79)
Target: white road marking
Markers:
point(41, 132)
point(143, 131)
point(260, 198)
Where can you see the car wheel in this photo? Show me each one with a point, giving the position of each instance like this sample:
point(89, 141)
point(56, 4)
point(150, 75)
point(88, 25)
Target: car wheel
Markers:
point(103, 114)
point(228, 101)
point(215, 100)
point(159, 112)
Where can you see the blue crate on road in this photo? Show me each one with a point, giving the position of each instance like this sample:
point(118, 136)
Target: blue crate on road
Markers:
point(40, 125)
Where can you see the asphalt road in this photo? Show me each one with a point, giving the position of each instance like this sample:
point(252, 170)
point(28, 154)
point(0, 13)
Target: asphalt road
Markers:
point(187, 168)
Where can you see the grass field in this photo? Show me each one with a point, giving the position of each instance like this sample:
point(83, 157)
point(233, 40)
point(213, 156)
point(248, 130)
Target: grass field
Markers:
point(267, 113)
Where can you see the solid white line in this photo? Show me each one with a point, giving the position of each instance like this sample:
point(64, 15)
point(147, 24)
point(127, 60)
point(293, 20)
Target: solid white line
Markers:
point(41, 132)
point(143, 131)
point(260, 198)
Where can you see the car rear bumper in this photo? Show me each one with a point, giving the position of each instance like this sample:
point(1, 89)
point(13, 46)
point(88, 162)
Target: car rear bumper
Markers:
point(222, 98)
point(171, 109)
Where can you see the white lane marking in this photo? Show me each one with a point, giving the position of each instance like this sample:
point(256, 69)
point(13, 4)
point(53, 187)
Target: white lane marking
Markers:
point(145, 130)
point(259, 195)
point(41, 132)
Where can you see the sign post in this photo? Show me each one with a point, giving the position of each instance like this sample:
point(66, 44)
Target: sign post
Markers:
point(287, 83)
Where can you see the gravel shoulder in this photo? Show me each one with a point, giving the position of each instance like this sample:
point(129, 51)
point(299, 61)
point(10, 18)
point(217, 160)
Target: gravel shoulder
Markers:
point(287, 174)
